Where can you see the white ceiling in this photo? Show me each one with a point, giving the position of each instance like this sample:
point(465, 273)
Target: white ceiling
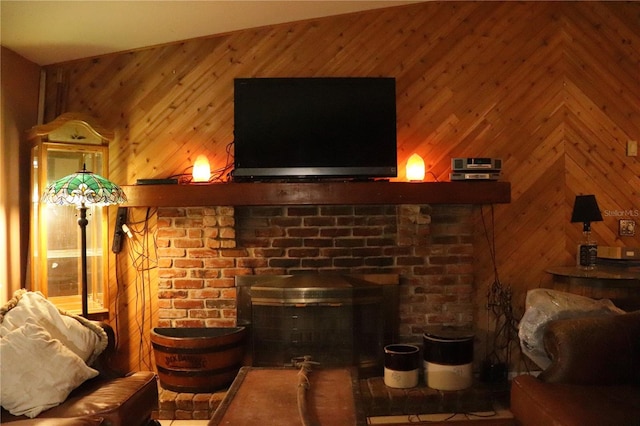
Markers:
point(47, 32)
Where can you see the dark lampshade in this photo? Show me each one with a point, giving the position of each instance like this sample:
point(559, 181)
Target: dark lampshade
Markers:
point(585, 209)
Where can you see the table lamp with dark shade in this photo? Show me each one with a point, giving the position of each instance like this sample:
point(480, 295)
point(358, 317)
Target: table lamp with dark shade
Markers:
point(585, 210)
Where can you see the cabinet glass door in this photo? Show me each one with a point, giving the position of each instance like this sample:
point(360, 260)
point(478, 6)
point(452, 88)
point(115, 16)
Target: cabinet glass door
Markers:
point(56, 234)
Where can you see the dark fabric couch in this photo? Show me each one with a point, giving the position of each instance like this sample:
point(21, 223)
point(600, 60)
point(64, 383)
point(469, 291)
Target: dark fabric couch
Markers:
point(110, 399)
point(593, 379)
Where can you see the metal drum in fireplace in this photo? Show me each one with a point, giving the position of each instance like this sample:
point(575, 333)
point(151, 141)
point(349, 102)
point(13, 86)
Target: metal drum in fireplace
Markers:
point(338, 320)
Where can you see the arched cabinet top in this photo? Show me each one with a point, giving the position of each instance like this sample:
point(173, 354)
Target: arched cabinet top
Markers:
point(72, 127)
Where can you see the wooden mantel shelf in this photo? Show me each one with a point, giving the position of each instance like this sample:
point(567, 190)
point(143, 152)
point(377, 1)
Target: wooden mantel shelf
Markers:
point(317, 193)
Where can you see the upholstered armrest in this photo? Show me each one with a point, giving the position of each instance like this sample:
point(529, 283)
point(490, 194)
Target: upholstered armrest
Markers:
point(102, 363)
point(76, 421)
point(594, 350)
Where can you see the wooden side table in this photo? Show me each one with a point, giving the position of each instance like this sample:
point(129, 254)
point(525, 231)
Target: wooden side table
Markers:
point(620, 284)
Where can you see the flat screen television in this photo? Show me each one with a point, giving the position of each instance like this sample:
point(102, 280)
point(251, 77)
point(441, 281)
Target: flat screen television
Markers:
point(314, 128)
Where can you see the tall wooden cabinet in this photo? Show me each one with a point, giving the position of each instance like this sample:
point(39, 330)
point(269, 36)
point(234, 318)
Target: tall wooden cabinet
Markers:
point(60, 148)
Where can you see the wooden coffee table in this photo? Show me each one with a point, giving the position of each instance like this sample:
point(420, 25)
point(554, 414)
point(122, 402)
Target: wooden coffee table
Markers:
point(268, 396)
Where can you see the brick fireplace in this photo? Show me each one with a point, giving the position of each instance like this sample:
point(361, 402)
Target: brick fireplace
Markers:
point(202, 249)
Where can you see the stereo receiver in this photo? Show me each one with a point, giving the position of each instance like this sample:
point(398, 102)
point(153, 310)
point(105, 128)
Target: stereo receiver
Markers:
point(476, 163)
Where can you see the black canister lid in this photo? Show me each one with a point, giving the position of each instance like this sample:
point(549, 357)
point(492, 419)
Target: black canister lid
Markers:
point(448, 345)
point(449, 333)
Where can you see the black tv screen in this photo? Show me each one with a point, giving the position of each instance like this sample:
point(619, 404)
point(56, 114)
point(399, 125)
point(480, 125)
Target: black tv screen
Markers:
point(315, 128)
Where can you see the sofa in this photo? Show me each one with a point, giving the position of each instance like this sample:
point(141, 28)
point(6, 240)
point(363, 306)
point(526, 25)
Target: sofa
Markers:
point(593, 378)
point(63, 389)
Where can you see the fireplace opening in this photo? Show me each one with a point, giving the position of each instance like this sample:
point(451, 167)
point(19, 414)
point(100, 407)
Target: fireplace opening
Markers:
point(338, 320)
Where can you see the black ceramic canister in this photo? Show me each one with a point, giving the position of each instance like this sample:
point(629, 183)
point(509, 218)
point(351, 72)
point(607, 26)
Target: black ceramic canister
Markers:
point(401, 365)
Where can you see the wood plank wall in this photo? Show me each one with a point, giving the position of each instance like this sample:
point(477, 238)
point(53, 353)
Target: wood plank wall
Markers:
point(553, 88)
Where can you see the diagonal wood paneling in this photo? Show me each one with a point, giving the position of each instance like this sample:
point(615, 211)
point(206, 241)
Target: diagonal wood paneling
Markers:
point(553, 88)
point(602, 103)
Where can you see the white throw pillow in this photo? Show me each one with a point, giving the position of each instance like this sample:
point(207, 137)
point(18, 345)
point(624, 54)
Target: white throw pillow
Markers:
point(38, 372)
point(75, 336)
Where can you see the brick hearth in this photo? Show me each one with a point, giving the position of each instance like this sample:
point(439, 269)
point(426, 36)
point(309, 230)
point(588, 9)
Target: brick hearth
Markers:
point(187, 406)
point(377, 400)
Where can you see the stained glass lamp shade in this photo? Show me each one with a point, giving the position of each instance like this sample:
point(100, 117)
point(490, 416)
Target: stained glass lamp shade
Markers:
point(82, 190)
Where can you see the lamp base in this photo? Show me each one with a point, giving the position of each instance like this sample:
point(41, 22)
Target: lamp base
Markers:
point(587, 254)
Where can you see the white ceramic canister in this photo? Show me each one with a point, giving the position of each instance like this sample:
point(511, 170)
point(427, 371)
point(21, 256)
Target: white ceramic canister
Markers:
point(401, 366)
point(448, 358)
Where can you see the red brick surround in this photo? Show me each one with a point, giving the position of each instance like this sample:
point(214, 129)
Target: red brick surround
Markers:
point(202, 249)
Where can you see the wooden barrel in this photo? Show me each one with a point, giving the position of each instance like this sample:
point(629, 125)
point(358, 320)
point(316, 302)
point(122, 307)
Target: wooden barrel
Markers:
point(198, 360)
